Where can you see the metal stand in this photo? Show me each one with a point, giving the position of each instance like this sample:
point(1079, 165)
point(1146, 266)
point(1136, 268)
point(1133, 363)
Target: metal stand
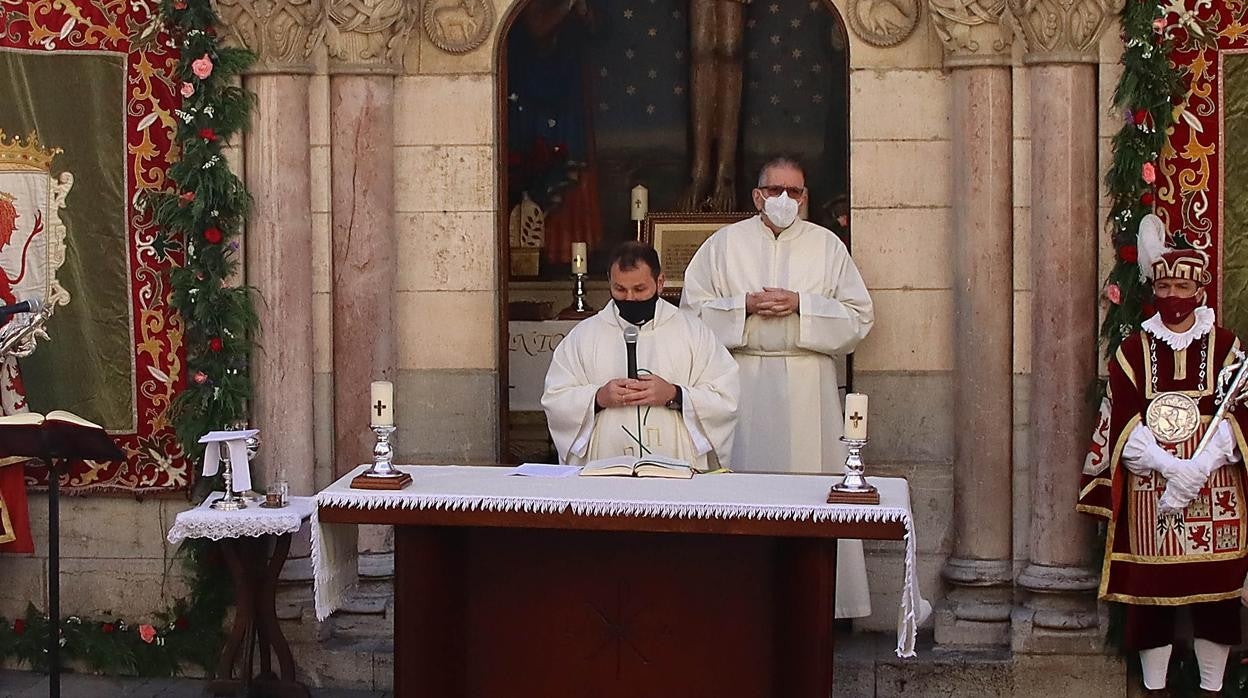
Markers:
point(580, 307)
point(853, 488)
point(382, 475)
point(54, 578)
point(231, 501)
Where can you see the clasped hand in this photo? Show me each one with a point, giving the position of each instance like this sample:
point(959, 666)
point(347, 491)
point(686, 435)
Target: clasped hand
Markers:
point(646, 391)
point(772, 302)
point(1184, 476)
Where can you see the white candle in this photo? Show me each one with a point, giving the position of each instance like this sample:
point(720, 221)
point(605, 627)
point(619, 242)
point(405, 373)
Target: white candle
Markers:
point(856, 416)
point(578, 258)
point(381, 404)
point(641, 203)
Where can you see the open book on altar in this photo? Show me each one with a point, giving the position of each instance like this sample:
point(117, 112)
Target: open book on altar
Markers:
point(58, 434)
point(648, 466)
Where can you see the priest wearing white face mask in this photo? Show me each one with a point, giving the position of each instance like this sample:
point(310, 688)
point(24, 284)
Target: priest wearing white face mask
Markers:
point(683, 404)
point(783, 296)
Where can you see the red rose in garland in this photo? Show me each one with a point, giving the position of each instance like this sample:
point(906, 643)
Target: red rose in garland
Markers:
point(107, 628)
point(207, 134)
point(1147, 198)
point(215, 344)
point(19, 626)
point(213, 236)
point(1128, 254)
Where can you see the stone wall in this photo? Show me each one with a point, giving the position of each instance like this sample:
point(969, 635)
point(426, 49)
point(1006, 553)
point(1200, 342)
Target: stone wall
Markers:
point(446, 305)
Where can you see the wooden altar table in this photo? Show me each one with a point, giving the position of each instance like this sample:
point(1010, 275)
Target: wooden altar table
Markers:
point(509, 586)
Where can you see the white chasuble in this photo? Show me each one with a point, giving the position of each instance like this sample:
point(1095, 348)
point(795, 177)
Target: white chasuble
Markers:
point(674, 346)
point(791, 418)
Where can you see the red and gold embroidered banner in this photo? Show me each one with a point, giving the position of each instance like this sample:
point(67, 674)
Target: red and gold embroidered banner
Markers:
point(1203, 183)
point(88, 104)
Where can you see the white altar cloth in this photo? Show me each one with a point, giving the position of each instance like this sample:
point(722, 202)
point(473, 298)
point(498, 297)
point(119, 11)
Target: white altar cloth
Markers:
point(726, 496)
point(205, 522)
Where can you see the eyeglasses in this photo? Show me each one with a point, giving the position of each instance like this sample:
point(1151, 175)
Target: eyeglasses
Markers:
point(776, 190)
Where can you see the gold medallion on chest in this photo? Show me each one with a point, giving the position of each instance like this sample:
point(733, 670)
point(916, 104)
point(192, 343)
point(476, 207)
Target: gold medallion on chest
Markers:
point(1173, 417)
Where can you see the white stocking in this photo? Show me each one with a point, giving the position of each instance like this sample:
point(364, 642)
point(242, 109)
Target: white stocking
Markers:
point(1212, 660)
point(1155, 662)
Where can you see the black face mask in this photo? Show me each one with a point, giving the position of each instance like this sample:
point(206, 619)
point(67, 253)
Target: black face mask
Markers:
point(638, 312)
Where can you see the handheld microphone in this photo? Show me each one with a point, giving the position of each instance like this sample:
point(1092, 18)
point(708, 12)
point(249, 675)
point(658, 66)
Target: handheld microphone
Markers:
point(630, 345)
point(32, 305)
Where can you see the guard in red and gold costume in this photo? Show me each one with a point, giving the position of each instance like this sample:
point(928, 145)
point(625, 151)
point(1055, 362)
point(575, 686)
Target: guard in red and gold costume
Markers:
point(1177, 534)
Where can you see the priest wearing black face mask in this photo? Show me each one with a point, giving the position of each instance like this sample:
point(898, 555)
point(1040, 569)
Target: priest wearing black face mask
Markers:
point(682, 405)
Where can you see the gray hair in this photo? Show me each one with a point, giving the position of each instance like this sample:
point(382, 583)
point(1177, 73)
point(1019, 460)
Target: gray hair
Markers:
point(776, 162)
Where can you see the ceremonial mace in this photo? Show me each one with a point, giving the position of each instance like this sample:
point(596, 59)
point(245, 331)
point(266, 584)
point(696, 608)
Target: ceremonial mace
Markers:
point(1228, 401)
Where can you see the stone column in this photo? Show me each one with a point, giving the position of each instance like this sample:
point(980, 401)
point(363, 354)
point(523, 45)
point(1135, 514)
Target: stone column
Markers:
point(279, 231)
point(366, 42)
point(980, 570)
point(1058, 612)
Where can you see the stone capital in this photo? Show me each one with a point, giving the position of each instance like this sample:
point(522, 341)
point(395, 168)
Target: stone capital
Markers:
point(282, 33)
point(1063, 31)
point(369, 36)
point(973, 32)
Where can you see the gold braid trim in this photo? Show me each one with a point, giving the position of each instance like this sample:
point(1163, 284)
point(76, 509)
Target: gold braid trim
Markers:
point(1168, 601)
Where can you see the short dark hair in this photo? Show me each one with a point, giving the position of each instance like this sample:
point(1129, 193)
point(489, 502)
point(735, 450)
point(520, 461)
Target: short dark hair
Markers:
point(631, 253)
point(779, 161)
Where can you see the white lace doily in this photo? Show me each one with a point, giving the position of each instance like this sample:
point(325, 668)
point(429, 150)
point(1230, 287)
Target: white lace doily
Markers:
point(205, 522)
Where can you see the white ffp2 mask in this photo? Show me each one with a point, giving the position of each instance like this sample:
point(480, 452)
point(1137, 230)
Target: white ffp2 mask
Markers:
point(780, 210)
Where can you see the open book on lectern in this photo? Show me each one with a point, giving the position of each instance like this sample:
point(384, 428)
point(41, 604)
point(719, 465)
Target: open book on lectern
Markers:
point(58, 434)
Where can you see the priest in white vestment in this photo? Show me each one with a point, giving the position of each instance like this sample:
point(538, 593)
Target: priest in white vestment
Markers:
point(683, 404)
point(784, 297)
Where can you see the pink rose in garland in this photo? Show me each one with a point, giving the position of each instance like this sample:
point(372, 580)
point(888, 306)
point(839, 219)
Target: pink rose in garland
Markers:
point(1148, 173)
point(1113, 293)
point(187, 90)
point(147, 632)
point(202, 67)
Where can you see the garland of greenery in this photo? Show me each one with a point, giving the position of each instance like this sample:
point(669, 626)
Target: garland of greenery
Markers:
point(199, 221)
point(1146, 95)
point(202, 218)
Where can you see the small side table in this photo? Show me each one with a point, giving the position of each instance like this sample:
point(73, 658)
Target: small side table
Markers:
point(255, 542)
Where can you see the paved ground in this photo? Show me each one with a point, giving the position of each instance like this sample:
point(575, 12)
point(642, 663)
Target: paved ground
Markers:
point(23, 684)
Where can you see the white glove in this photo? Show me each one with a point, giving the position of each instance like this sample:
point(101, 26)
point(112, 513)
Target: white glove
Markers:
point(1186, 482)
point(1182, 485)
point(1221, 447)
point(1142, 454)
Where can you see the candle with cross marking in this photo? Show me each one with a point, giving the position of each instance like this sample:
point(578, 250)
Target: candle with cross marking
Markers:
point(856, 416)
point(381, 404)
point(579, 252)
point(640, 203)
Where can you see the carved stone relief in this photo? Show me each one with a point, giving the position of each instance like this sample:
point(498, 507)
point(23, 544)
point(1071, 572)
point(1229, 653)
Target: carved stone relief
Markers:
point(973, 31)
point(883, 23)
point(1064, 30)
point(457, 26)
point(282, 33)
point(369, 34)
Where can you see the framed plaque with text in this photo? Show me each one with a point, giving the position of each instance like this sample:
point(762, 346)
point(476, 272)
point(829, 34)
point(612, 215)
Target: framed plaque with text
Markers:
point(677, 236)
